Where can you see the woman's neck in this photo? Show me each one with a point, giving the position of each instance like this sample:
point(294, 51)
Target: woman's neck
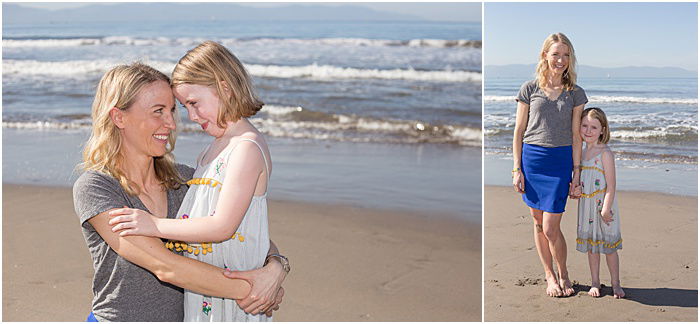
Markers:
point(554, 80)
point(139, 169)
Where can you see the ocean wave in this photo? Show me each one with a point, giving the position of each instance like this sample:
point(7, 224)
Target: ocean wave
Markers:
point(17, 42)
point(298, 122)
point(313, 71)
point(610, 99)
point(670, 132)
point(328, 72)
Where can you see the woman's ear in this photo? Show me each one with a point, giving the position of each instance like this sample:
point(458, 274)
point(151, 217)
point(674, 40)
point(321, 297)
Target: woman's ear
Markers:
point(117, 116)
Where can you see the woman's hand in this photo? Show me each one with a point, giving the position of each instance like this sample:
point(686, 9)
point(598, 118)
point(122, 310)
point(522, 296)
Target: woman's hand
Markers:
point(518, 181)
point(265, 294)
point(131, 221)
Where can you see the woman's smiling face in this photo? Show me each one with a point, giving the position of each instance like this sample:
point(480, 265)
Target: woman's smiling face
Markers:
point(558, 57)
point(149, 122)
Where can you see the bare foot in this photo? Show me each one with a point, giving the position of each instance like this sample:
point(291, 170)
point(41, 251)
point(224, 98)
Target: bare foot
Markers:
point(595, 290)
point(553, 289)
point(618, 292)
point(567, 288)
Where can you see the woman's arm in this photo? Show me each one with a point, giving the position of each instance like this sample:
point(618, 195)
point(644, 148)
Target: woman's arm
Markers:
point(577, 146)
point(521, 117)
point(609, 168)
point(245, 167)
point(266, 282)
point(151, 254)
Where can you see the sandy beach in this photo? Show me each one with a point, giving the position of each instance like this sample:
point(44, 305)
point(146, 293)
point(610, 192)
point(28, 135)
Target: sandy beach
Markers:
point(348, 263)
point(658, 263)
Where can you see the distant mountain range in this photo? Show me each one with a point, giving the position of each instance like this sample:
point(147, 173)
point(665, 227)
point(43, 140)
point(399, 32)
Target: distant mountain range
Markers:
point(190, 12)
point(528, 71)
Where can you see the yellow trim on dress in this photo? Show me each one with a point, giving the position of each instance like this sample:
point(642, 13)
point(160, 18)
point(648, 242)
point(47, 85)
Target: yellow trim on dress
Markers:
point(593, 194)
point(205, 181)
point(594, 243)
point(195, 248)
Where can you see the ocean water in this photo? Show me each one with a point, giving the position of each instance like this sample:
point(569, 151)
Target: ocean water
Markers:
point(385, 91)
point(653, 123)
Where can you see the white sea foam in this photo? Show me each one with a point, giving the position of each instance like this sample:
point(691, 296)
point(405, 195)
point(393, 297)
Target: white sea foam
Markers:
point(281, 110)
point(190, 41)
point(314, 71)
point(328, 72)
point(646, 100)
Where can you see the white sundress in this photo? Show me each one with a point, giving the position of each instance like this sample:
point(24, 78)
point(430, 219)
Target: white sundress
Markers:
point(593, 234)
point(245, 250)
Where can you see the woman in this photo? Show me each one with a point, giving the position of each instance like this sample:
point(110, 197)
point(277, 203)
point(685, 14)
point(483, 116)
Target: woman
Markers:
point(546, 147)
point(128, 163)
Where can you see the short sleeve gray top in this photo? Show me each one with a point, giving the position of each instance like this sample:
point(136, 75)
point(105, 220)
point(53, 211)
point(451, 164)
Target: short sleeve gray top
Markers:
point(549, 121)
point(124, 291)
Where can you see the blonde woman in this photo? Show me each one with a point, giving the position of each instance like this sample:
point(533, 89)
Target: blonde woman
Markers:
point(547, 149)
point(128, 163)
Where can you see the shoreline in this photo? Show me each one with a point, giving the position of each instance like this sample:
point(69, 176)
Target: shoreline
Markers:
point(665, 290)
point(671, 179)
point(356, 264)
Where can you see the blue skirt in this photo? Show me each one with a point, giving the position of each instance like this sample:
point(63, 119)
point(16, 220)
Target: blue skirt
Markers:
point(547, 172)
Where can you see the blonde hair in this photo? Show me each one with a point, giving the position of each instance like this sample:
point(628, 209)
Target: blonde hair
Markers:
point(597, 113)
point(119, 88)
point(211, 64)
point(569, 76)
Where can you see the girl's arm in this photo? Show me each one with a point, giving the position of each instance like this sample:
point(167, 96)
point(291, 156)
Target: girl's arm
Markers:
point(576, 147)
point(245, 167)
point(609, 168)
point(521, 116)
point(151, 254)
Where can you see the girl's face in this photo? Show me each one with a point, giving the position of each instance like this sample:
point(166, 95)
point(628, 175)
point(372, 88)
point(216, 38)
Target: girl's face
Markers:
point(148, 123)
point(558, 57)
point(590, 129)
point(202, 103)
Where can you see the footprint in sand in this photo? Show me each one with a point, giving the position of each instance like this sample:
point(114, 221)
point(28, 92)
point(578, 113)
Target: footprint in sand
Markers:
point(528, 282)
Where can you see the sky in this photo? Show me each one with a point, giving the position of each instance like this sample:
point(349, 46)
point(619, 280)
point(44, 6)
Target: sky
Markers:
point(445, 11)
point(603, 34)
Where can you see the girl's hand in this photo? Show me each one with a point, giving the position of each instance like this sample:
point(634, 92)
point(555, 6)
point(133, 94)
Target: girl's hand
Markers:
point(518, 181)
point(131, 221)
point(607, 216)
point(576, 192)
point(265, 293)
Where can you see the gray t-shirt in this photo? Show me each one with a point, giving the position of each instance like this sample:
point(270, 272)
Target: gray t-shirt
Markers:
point(124, 291)
point(549, 121)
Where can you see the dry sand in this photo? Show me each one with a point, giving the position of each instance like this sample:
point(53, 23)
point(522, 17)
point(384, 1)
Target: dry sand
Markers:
point(348, 264)
point(658, 262)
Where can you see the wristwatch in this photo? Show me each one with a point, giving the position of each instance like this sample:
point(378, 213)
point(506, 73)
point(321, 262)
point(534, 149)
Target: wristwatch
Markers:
point(283, 260)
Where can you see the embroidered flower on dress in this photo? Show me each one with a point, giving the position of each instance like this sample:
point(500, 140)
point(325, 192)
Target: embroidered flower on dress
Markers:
point(597, 182)
point(185, 216)
point(206, 308)
point(219, 166)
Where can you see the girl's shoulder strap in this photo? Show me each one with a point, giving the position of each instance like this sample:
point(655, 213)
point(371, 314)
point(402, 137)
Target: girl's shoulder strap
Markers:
point(267, 166)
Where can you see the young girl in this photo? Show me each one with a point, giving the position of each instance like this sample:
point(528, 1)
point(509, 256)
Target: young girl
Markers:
point(598, 216)
point(217, 92)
